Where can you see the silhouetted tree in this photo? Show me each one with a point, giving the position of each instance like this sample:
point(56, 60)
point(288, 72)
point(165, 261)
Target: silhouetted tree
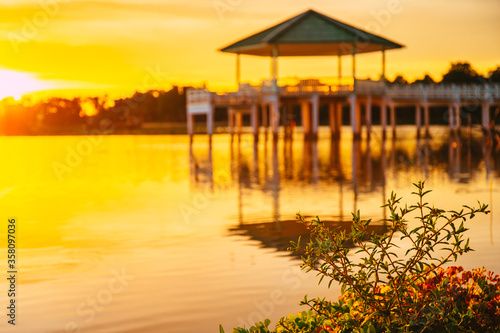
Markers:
point(462, 72)
point(399, 80)
point(426, 80)
point(494, 75)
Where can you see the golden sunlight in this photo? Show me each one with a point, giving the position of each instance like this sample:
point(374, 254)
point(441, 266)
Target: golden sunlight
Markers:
point(16, 84)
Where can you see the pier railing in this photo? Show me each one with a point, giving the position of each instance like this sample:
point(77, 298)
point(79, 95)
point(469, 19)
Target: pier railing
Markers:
point(294, 87)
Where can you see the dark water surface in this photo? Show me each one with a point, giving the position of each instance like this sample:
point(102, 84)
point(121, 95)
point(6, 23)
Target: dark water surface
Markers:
point(150, 234)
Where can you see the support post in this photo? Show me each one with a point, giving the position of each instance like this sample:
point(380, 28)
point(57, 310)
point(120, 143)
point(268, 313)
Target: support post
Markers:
point(454, 116)
point(383, 116)
point(315, 115)
point(339, 120)
point(485, 116)
point(451, 117)
point(210, 121)
point(355, 116)
point(265, 116)
point(418, 118)
point(368, 116)
point(306, 118)
point(254, 119)
point(230, 116)
point(426, 120)
point(275, 116)
point(190, 124)
point(239, 121)
point(393, 119)
point(333, 120)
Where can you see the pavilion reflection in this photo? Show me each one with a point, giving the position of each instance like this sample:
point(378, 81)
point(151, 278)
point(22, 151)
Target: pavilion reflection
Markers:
point(278, 235)
point(270, 167)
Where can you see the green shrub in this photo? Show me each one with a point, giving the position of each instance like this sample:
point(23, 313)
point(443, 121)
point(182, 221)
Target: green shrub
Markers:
point(386, 292)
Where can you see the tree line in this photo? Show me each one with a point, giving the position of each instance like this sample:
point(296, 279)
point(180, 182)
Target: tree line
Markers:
point(57, 116)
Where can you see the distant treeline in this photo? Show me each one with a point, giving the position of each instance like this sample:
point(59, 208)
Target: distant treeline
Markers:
point(58, 116)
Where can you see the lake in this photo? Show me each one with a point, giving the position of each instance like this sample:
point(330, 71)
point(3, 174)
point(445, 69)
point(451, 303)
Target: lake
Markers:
point(153, 234)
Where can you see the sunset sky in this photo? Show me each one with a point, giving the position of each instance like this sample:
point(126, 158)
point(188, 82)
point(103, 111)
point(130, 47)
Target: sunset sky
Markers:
point(73, 47)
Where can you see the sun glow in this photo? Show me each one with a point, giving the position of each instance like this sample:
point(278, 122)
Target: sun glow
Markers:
point(16, 84)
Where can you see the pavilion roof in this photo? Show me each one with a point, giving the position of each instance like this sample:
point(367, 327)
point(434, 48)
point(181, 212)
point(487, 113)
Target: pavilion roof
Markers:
point(311, 34)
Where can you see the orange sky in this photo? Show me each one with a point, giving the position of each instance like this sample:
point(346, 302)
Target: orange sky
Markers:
point(115, 47)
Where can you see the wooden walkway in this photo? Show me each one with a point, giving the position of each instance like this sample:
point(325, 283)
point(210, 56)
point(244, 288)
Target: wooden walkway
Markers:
point(273, 98)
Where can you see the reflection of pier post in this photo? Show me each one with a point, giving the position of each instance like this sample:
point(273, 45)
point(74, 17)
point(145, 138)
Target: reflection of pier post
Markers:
point(256, 162)
point(288, 157)
point(276, 183)
point(193, 166)
point(356, 158)
point(488, 161)
point(210, 167)
point(426, 157)
point(383, 165)
point(393, 157)
point(336, 166)
point(315, 162)
point(240, 190)
point(454, 156)
point(369, 166)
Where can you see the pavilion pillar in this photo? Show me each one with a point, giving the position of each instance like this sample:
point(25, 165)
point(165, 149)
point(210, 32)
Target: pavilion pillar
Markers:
point(274, 112)
point(383, 65)
point(418, 118)
point(339, 70)
point(392, 109)
point(426, 120)
point(238, 71)
point(485, 116)
point(274, 68)
point(368, 116)
point(355, 116)
point(315, 115)
point(354, 66)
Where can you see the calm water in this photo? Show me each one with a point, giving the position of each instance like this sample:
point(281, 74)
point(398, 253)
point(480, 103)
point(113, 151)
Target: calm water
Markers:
point(150, 234)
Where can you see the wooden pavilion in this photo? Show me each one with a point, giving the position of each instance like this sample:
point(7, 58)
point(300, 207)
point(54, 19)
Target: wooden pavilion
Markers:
point(315, 34)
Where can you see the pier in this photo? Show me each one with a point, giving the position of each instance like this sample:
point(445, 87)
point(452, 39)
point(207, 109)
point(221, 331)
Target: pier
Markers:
point(315, 34)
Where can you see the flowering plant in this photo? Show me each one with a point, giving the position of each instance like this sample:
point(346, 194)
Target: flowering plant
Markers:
point(383, 291)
